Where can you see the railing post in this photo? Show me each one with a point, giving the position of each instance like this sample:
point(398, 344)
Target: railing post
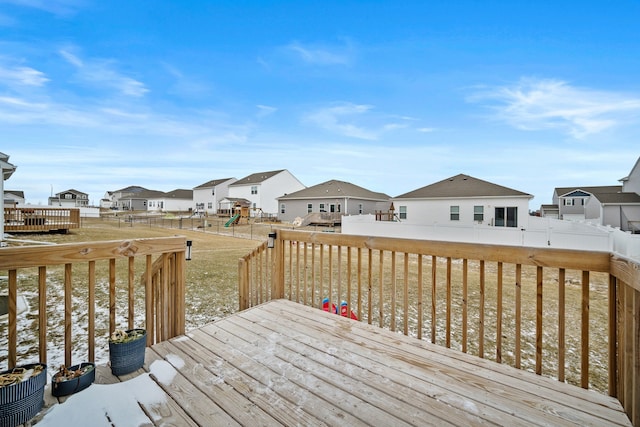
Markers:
point(243, 288)
point(277, 277)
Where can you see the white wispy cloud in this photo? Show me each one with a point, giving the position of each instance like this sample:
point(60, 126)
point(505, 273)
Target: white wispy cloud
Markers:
point(56, 7)
point(334, 119)
point(536, 104)
point(102, 72)
point(323, 55)
point(23, 76)
point(265, 110)
point(355, 121)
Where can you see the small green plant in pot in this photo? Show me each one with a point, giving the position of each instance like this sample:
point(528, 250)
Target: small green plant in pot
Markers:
point(126, 350)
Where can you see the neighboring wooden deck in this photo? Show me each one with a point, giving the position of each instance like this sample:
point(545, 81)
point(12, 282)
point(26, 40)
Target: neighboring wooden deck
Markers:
point(36, 220)
point(283, 363)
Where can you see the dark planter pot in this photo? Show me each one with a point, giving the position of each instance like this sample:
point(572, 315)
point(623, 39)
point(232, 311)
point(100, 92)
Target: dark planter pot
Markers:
point(22, 401)
point(74, 385)
point(127, 357)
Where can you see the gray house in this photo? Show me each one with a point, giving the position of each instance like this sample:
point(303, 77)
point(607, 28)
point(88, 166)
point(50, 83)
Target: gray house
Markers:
point(327, 202)
point(614, 205)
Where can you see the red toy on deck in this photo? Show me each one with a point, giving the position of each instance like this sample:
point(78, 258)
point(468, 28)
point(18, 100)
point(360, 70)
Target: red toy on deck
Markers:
point(334, 309)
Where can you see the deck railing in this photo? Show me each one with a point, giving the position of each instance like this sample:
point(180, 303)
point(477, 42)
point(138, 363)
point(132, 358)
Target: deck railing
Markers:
point(41, 219)
point(574, 315)
point(91, 280)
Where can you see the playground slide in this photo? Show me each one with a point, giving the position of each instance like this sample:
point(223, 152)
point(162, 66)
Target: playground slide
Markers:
point(233, 220)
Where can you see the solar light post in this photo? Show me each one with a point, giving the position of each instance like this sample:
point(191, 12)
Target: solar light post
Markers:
point(188, 253)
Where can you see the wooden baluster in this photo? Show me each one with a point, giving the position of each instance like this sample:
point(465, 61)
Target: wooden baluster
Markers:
point(561, 323)
point(518, 302)
point(393, 290)
point(499, 314)
point(448, 305)
point(433, 298)
point(539, 312)
point(584, 364)
point(481, 313)
point(91, 303)
point(42, 314)
point(465, 304)
point(68, 310)
point(420, 297)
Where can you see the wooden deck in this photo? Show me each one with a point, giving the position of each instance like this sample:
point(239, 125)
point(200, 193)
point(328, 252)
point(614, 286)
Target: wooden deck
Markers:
point(282, 363)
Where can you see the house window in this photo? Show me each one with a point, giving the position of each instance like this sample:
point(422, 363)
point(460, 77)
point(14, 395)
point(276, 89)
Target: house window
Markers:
point(322, 209)
point(454, 212)
point(506, 217)
point(568, 202)
point(360, 208)
point(67, 196)
point(309, 207)
point(478, 213)
point(282, 208)
point(403, 212)
point(210, 205)
point(254, 189)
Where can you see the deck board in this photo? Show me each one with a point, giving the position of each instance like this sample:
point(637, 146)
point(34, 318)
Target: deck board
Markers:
point(282, 363)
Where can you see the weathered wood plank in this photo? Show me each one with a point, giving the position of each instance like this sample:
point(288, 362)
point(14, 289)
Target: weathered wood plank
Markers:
point(546, 397)
point(283, 400)
point(197, 369)
point(201, 407)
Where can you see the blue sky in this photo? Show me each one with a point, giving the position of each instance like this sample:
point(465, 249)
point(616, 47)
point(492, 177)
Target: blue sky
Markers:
point(392, 96)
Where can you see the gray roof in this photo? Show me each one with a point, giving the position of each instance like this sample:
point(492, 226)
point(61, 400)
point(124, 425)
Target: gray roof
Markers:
point(256, 178)
point(131, 189)
point(460, 186)
point(213, 183)
point(17, 193)
point(179, 193)
point(334, 188)
point(560, 191)
point(618, 198)
point(146, 194)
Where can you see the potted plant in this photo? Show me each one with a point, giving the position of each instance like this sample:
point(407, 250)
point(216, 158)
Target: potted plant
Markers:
point(22, 393)
point(73, 379)
point(126, 350)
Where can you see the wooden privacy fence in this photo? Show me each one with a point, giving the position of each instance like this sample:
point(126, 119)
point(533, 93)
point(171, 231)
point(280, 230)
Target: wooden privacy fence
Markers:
point(84, 270)
point(569, 314)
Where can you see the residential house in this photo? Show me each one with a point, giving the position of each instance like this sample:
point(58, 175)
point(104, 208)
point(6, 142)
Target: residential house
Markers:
point(208, 195)
point(111, 199)
point(613, 205)
point(261, 190)
point(179, 200)
point(327, 202)
point(464, 200)
point(138, 201)
point(570, 202)
point(13, 198)
point(69, 199)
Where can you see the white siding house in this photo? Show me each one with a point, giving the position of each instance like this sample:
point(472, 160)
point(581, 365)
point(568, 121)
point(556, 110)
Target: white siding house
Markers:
point(262, 191)
point(179, 200)
point(69, 199)
point(464, 201)
point(13, 198)
point(207, 196)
